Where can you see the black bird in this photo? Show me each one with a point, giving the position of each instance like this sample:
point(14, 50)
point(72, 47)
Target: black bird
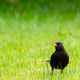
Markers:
point(59, 59)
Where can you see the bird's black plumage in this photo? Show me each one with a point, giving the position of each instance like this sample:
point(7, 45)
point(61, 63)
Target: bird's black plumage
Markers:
point(59, 59)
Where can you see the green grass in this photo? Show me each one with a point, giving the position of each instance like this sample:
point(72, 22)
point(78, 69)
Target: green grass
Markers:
point(27, 34)
point(26, 45)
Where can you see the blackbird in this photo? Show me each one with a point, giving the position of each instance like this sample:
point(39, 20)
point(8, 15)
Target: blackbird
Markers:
point(59, 59)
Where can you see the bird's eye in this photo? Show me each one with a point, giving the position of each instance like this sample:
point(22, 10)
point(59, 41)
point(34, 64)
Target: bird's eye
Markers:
point(58, 44)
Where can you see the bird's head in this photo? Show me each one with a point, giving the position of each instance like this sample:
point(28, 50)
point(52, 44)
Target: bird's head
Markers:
point(59, 46)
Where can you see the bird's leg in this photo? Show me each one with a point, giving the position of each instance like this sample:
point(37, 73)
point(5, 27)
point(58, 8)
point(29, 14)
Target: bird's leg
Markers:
point(61, 71)
point(52, 70)
point(61, 68)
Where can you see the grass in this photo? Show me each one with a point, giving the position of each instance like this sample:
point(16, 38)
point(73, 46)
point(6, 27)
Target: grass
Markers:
point(26, 42)
point(26, 45)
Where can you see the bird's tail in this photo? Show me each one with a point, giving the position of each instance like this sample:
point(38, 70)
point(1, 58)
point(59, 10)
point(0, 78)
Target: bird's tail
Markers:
point(47, 60)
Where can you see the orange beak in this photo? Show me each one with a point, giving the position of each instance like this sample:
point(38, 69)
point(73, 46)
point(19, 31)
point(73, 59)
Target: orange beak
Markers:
point(55, 45)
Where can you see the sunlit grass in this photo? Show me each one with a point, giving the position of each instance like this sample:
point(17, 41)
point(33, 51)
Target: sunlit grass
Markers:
point(26, 45)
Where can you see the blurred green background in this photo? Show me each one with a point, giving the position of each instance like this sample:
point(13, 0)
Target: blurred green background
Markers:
point(28, 29)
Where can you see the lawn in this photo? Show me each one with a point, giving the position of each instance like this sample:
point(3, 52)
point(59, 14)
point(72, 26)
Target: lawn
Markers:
point(26, 42)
